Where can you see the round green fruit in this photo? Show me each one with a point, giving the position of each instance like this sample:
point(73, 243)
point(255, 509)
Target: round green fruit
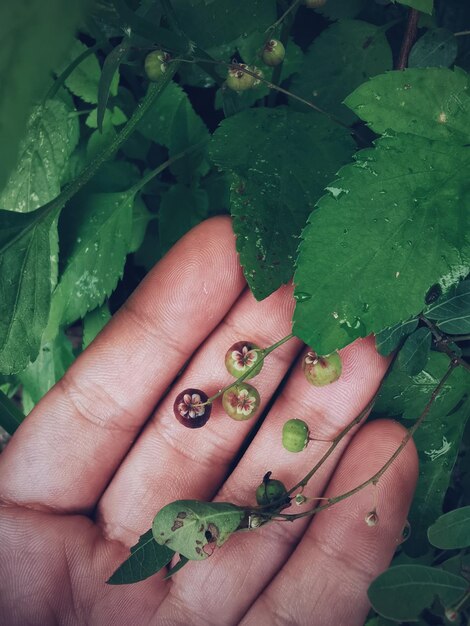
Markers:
point(270, 491)
point(241, 356)
point(273, 52)
point(241, 401)
point(238, 80)
point(295, 435)
point(156, 64)
point(322, 370)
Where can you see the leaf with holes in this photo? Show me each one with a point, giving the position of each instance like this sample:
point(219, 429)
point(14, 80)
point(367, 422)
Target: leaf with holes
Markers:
point(195, 528)
point(275, 183)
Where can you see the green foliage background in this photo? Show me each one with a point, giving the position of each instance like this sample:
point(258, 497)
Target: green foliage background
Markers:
point(354, 179)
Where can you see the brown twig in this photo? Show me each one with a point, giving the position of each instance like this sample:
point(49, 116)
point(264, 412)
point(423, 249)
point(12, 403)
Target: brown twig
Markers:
point(442, 340)
point(408, 39)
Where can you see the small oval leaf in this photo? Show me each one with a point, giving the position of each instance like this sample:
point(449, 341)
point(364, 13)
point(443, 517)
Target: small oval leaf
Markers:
point(451, 530)
point(414, 355)
point(402, 592)
point(387, 340)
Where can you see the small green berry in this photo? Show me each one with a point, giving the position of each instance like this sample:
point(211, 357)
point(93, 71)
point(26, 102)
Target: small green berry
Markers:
point(315, 4)
point(300, 499)
point(156, 64)
point(372, 519)
point(322, 370)
point(295, 435)
point(238, 80)
point(270, 490)
point(273, 52)
point(240, 357)
point(241, 401)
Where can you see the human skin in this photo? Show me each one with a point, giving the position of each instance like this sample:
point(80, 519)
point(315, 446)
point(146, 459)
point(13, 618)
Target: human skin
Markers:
point(102, 452)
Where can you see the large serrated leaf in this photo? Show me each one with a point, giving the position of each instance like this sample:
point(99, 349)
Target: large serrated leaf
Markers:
point(34, 35)
point(403, 592)
point(431, 102)
point(95, 242)
point(51, 136)
point(281, 161)
point(341, 58)
point(25, 279)
point(147, 558)
point(395, 223)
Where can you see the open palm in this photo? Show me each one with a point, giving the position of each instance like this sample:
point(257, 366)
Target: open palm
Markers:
point(88, 469)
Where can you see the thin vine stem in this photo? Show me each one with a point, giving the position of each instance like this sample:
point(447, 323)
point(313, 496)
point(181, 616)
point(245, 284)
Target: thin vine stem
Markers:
point(408, 39)
point(263, 354)
point(286, 13)
point(288, 19)
point(462, 33)
point(442, 341)
point(373, 480)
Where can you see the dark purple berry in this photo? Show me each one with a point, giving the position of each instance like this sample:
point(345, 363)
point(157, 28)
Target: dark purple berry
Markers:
point(190, 410)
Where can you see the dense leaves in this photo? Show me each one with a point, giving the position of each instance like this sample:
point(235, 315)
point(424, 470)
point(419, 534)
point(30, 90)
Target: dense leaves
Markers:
point(344, 55)
point(34, 36)
point(274, 186)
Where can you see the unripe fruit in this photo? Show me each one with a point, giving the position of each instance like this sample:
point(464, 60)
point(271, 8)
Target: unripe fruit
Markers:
point(295, 435)
point(300, 499)
point(269, 491)
point(273, 52)
point(241, 401)
point(315, 4)
point(322, 370)
point(190, 410)
point(240, 357)
point(372, 519)
point(238, 80)
point(451, 615)
point(156, 64)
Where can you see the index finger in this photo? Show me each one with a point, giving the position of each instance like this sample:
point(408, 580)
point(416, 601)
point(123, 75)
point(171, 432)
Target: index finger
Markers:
point(68, 448)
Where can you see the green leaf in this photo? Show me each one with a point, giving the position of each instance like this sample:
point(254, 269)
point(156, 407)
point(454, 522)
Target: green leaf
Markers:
point(96, 237)
point(94, 322)
point(114, 116)
point(392, 225)
point(403, 592)
point(141, 216)
point(388, 340)
point(51, 136)
point(436, 48)
point(174, 124)
point(10, 415)
point(452, 530)
point(218, 22)
point(53, 360)
point(147, 558)
point(84, 80)
point(338, 61)
point(195, 528)
point(452, 312)
point(281, 161)
point(25, 285)
point(181, 208)
point(432, 103)
point(110, 69)
point(425, 6)
point(34, 36)
point(415, 352)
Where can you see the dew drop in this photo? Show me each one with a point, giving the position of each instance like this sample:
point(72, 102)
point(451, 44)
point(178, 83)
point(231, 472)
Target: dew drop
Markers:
point(302, 296)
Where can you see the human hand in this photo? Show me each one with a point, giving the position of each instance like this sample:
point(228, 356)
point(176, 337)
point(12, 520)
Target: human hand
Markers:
point(86, 472)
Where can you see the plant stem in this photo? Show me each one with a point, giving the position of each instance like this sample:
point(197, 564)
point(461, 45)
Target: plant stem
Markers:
point(163, 166)
point(408, 39)
point(442, 341)
point(462, 33)
point(263, 354)
point(373, 480)
point(288, 17)
point(286, 13)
